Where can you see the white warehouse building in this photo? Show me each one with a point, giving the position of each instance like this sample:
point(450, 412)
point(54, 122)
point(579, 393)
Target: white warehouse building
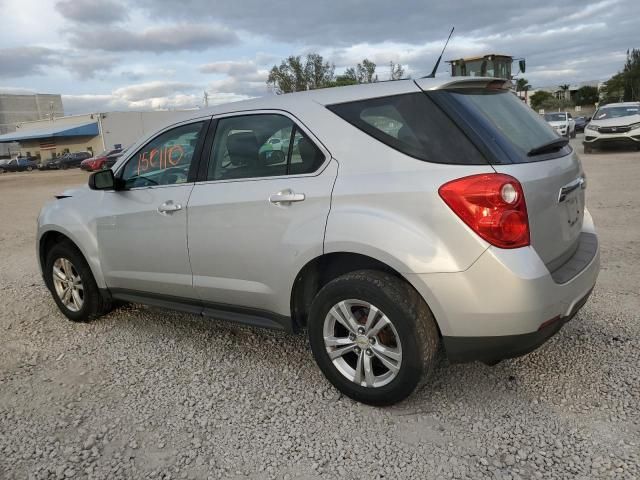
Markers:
point(93, 132)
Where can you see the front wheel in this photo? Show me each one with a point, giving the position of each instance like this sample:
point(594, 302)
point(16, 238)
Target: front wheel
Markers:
point(72, 285)
point(373, 336)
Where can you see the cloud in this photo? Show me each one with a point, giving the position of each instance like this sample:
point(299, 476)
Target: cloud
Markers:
point(155, 89)
point(77, 104)
point(92, 11)
point(233, 68)
point(170, 38)
point(237, 86)
point(16, 90)
point(22, 61)
point(87, 66)
point(242, 77)
point(546, 33)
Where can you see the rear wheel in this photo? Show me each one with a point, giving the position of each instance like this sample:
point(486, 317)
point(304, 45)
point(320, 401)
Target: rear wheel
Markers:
point(72, 285)
point(372, 336)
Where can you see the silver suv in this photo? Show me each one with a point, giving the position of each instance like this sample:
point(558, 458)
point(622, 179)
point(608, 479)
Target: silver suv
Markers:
point(391, 219)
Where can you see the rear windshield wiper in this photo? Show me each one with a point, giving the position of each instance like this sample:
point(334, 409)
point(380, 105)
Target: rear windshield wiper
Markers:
point(553, 145)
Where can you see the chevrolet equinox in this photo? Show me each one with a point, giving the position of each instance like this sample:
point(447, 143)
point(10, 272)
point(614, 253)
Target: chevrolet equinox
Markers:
point(386, 220)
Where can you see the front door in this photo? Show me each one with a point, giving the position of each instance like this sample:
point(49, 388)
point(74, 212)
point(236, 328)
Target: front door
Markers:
point(142, 236)
point(260, 214)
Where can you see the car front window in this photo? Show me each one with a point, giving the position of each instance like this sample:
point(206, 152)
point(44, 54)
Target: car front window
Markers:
point(555, 117)
point(165, 160)
point(616, 112)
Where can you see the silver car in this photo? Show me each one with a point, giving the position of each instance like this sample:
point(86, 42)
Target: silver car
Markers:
point(398, 218)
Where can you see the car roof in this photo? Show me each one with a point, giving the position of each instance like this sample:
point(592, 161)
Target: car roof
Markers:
point(329, 96)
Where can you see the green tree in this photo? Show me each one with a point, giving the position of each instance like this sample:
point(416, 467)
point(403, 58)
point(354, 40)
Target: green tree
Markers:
point(365, 72)
point(541, 98)
point(624, 86)
point(522, 85)
point(587, 95)
point(397, 72)
point(296, 75)
point(319, 73)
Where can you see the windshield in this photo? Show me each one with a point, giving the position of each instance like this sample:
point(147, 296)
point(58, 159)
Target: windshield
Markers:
point(555, 117)
point(616, 112)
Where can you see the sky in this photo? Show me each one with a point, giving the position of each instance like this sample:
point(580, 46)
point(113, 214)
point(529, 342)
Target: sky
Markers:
point(105, 55)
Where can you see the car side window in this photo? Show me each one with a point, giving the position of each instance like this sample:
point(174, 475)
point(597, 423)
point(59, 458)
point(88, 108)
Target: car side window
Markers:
point(261, 145)
point(165, 160)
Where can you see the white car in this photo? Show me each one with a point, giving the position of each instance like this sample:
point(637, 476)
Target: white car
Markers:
point(614, 124)
point(562, 122)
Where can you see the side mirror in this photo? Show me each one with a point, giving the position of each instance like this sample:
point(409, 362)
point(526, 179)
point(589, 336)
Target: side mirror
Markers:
point(102, 180)
point(522, 64)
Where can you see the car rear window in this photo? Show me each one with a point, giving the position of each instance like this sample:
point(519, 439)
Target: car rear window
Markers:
point(517, 122)
point(412, 124)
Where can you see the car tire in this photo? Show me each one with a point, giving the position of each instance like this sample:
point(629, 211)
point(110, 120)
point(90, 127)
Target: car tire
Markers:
point(410, 337)
point(84, 301)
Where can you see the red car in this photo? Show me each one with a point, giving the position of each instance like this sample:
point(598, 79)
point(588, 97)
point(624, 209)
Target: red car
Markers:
point(102, 161)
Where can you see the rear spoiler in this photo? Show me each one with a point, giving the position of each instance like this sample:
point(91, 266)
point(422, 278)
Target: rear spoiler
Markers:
point(483, 83)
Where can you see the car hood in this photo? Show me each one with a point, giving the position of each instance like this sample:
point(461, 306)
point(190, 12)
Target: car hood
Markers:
point(616, 122)
point(73, 192)
point(558, 123)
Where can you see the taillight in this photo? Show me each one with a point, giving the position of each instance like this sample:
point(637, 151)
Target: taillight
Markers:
point(492, 205)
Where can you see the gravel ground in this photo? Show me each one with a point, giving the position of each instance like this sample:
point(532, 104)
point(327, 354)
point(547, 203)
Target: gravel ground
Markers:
point(143, 393)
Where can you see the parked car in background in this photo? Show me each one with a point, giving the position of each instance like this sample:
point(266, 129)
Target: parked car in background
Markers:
point(615, 124)
point(562, 122)
point(20, 164)
point(70, 160)
point(581, 122)
point(102, 161)
point(48, 164)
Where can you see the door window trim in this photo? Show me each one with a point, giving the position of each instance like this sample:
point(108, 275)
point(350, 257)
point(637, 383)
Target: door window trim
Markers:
point(207, 158)
point(196, 160)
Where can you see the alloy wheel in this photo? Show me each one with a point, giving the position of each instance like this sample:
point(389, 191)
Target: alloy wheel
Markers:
point(362, 343)
point(68, 284)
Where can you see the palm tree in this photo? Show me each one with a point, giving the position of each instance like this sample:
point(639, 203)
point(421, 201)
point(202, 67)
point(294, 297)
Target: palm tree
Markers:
point(522, 85)
point(565, 90)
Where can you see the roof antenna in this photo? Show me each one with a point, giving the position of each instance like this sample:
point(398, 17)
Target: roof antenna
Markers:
point(435, 68)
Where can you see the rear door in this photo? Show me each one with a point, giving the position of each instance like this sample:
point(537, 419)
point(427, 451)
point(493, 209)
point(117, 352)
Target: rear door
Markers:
point(260, 212)
point(553, 180)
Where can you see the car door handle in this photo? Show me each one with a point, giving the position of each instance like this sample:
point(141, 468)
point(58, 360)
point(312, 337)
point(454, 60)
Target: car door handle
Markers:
point(169, 207)
point(286, 196)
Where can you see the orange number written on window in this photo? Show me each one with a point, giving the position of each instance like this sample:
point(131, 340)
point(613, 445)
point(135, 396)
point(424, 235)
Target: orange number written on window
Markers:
point(160, 158)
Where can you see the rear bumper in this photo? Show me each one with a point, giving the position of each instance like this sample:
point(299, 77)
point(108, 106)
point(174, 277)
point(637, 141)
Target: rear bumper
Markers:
point(508, 303)
point(494, 349)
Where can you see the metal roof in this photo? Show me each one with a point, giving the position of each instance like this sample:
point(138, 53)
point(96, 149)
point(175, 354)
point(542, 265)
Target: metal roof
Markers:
point(83, 130)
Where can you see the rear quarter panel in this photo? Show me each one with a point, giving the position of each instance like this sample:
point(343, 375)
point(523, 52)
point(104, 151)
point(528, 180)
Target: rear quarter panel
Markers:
point(386, 205)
